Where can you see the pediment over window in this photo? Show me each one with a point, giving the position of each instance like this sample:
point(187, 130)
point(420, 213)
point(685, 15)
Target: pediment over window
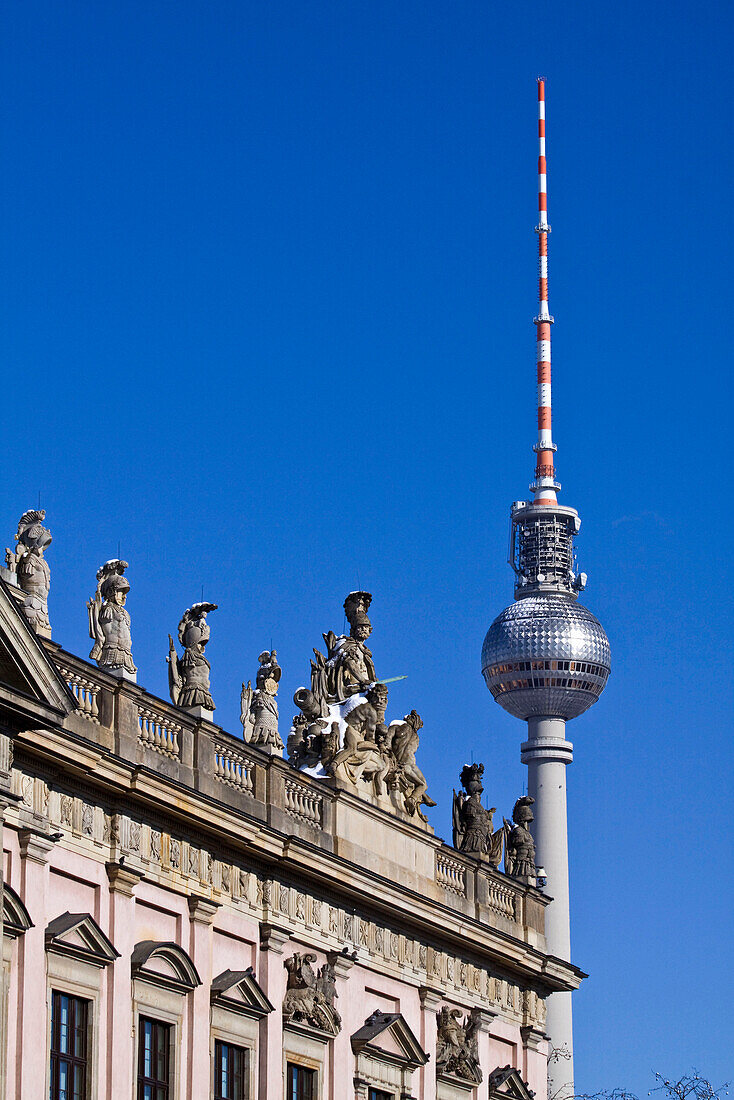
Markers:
point(32, 691)
point(386, 1037)
point(238, 991)
point(16, 919)
point(506, 1083)
point(78, 935)
point(164, 964)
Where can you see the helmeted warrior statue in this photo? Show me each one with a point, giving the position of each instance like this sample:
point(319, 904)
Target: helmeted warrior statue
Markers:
point(31, 569)
point(348, 667)
point(472, 823)
point(520, 846)
point(259, 708)
point(109, 620)
point(457, 1044)
point(309, 998)
point(188, 676)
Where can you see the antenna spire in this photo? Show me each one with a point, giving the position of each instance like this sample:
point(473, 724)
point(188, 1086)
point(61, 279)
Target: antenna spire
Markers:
point(545, 485)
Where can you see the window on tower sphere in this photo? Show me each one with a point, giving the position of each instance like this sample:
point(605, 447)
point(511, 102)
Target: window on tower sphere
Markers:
point(68, 1071)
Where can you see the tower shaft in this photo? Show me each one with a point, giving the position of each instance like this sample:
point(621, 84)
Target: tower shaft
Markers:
point(547, 754)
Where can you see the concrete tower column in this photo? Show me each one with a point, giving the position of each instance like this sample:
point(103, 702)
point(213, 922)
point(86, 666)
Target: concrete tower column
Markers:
point(547, 754)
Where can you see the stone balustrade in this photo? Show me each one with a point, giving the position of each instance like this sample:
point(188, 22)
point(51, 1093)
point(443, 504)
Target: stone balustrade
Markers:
point(303, 803)
point(159, 732)
point(233, 767)
point(502, 900)
point(451, 874)
point(85, 691)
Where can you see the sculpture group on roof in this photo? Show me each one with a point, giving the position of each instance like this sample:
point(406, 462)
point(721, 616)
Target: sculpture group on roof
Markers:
point(341, 732)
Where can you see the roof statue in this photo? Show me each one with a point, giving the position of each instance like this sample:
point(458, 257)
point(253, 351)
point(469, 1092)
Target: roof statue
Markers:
point(31, 569)
point(259, 708)
point(342, 732)
point(472, 823)
point(188, 676)
point(109, 620)
point(457, 1044)
point(520, 846)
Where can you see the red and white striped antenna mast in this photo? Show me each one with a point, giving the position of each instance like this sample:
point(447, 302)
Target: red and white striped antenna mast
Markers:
point(545, 485)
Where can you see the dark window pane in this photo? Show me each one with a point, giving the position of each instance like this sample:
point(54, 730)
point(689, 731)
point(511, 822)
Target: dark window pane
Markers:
point(154, 1060)
point(68, 1068)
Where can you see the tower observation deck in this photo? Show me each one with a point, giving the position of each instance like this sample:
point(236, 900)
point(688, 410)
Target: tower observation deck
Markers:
point(546, 657)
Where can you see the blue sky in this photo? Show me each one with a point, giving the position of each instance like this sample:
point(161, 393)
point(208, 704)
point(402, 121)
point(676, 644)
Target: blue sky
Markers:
point(268, 282)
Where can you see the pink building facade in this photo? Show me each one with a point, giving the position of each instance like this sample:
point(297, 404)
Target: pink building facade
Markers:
point(188, 916)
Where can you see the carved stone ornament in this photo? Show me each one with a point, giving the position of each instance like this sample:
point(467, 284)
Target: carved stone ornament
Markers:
point(457, 1052)
point(259, 708)
point(31, 569)
point(519, 846)
point(188, 676)
point(109, 619)
point(309, 997)
point(472, 823)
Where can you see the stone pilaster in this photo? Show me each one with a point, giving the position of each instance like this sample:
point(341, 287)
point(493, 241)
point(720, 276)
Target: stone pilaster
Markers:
point(272, 976)
point(201, 913)
point(122, 883)
point(34, 852)
point(431, 1001)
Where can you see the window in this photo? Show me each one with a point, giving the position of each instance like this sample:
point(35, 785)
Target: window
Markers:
point(301, 1083)
point(230, 1072)
point(378, 1094)
point(68, 1047)
point(154, 1060)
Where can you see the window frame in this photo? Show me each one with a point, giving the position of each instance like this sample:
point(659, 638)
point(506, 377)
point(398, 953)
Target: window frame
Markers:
point(299, 1067)
point(142, 1082)
point(376, 1093)
point(55, 1055)
point(246, 1054)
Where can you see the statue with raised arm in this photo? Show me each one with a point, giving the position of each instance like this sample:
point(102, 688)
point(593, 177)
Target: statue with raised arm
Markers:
point(109, 620)
point(519, 845)
point(188, 676)
point(472, 823)
point(400, 745)
point(31, 569)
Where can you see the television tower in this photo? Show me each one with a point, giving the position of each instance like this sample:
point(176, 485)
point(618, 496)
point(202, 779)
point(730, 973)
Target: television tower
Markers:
point(546, 657)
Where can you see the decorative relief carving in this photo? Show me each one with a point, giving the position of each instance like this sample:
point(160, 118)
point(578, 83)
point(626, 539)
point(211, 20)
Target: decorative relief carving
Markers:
point(87, 820)
point(175, 853)
point(155, 845)
point(457, 1045)
point(309, 998)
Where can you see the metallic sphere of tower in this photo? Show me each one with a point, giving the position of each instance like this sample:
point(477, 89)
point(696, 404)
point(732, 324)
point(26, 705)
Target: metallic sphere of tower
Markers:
point(546, 655)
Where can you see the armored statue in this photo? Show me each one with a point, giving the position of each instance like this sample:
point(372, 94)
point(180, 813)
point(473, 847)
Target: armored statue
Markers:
point(348, 667)
point(109, 619)
point(188, 676)
point(472, 822)
point(457, 1044)
point(259, 708)
point(31, 569)
point(520, 846)
point(404, 775)
point(363, 756)
point(309, 998)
